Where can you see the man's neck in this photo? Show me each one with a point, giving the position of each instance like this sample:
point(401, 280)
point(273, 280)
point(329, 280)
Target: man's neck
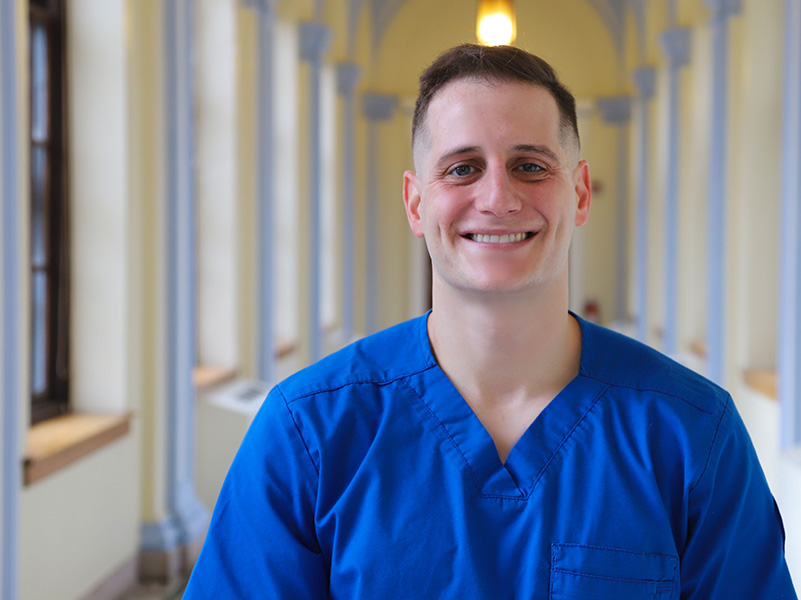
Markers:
point(505, 348)
point(508, 355)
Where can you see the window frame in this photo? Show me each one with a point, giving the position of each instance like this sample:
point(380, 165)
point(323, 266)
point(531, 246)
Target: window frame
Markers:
point(49, 367)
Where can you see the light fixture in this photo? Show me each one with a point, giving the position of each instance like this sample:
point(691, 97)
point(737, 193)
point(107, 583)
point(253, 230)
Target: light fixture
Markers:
point(496, 22)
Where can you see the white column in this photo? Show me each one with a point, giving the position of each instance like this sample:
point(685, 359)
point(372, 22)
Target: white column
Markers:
point(314, 41)
point(789, 351)
point(377, 108)
point(187, 517)
point(617, 111)
point(348, 75)
point(721, 10)
point(218, 206)
point(10, 282)
point(676, 46)
point(645, 80)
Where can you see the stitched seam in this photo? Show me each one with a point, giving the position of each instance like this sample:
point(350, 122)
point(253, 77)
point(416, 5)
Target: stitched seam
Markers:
point(459, 450)
point(564, 441)
point(326, 560)
point(380, 382)
point(661, 585)
point(450, 437)
point(712, 445)
point(647, 389)
point(605, 577)
point(635, 552)
point(300, 435)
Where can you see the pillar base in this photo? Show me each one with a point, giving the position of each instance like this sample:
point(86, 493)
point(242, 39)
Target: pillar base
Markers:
point(171, 547)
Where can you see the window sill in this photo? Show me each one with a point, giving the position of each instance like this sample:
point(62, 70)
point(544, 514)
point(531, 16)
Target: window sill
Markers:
point(56, 443)
point(207, 377)
point(698, 347)
point(284, 348)
point(763, 381)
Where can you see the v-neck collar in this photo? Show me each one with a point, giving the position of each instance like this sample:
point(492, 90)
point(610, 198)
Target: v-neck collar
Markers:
point(531, 456)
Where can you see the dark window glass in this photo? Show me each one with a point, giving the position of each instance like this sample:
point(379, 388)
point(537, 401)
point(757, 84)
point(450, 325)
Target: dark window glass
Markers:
point(49, 241)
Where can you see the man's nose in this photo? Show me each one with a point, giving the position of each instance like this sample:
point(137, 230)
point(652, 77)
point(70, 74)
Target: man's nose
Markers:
point(497, 194)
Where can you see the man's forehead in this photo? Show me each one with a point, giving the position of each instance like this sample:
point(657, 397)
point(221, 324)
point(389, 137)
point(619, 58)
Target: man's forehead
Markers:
point(445, 107)
point(474, 101)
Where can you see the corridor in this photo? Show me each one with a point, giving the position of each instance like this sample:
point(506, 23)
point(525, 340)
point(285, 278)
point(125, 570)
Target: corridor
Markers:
point(200, 197)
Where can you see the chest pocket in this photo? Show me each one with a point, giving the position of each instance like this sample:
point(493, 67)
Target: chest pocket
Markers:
point(594, 573)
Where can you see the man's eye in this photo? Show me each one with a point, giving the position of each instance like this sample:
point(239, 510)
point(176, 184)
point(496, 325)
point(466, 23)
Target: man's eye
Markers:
point(462, 170)
point(530, 168)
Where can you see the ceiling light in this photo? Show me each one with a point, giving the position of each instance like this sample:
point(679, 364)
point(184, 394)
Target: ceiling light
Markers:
point(496, 22)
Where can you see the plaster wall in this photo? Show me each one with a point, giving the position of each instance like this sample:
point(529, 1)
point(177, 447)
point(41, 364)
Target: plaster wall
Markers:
point(394, 237)
point(755, 177)
point(81, 524)
point(246, 187)
point(599, 235)
point(693, 186)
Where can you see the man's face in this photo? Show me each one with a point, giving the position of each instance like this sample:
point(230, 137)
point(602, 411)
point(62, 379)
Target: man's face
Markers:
point(496, 195)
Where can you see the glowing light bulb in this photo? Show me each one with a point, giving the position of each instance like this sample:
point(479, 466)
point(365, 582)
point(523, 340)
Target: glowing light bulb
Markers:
point(495, 30)
point(496, 22)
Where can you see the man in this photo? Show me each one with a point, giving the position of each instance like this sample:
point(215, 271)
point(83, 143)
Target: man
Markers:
point(498, 447)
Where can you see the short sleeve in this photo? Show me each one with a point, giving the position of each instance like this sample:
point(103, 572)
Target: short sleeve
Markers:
point(262, 541)
point(735, 546)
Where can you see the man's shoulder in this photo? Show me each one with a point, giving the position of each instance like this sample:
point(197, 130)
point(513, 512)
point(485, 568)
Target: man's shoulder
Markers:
point(379, 359)
point(623, 362)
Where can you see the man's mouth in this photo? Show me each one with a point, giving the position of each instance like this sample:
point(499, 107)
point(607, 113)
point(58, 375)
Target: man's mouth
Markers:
point(507, 238)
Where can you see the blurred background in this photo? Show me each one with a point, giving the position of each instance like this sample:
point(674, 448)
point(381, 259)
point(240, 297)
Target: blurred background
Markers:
point(200, 197)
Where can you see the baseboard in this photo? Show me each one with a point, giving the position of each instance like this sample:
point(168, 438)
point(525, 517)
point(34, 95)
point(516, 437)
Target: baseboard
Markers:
point(191, 552)
point(160, 566)
point(166, 566)
point(119, 582)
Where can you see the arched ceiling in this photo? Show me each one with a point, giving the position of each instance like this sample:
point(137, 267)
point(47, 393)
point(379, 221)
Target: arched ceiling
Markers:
point(581, 38)
point(610, 11)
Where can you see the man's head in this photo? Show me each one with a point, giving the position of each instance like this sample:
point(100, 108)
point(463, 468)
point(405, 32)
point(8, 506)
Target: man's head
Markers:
point(493, 64)
point(498, 188)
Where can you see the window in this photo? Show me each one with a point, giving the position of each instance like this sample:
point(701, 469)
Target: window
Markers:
point(49, 216)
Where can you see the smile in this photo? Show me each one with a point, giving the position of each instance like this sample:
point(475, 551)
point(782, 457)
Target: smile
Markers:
point(509, 238)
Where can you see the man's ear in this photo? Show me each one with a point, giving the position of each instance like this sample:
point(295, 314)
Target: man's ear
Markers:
point(583, 187)
point(411, 200)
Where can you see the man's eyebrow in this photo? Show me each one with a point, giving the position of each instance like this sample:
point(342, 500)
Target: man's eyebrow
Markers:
point(537, 149)
point(521, 148)
point(457, 152)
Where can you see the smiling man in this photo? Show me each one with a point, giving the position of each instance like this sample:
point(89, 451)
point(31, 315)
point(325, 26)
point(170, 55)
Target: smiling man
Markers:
point(498, 447)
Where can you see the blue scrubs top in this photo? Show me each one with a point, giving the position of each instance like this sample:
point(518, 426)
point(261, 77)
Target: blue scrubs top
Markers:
point(367, 476)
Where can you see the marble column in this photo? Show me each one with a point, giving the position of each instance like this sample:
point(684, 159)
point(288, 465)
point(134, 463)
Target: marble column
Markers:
point(789, 350)
point(645, 81)
point(348, 75)
point(676, 46)
point(314, 42)
point(10, 284)
point(617, 111)
point(721, 11)
point(171, 544)
point(265, 200)
point(377, 108)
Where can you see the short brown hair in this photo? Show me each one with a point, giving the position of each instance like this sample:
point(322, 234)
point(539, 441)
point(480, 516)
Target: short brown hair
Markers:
point(494, 64)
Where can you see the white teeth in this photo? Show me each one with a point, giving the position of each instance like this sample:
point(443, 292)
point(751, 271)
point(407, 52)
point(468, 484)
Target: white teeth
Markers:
point(497, 239)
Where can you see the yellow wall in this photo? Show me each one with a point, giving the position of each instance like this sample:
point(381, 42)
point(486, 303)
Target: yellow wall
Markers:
point(693, 186)
point(80, 524)
point(755, 168)
point(600, 149)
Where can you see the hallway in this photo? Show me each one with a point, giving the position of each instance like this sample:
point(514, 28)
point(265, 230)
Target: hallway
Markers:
point(199, 197)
